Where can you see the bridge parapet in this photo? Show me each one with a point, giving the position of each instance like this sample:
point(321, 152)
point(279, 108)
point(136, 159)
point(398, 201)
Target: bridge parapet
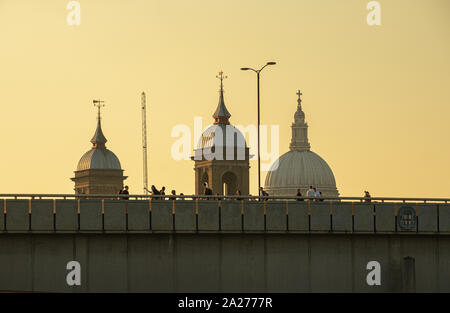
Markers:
point(222, 216)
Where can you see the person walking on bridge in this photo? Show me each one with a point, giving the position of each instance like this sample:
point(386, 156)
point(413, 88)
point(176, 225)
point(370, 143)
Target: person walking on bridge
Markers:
point(173, 196)
point(125, 191)
point(311, 193)
point(262, 193)
point(162, 192)
point(299, 194)
point(207, 191)
point(155, 192)
point(367, 196)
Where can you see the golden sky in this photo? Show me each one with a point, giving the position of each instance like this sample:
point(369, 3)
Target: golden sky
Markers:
point(376, 98)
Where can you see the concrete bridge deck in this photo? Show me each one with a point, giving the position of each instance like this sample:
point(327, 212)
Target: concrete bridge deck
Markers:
point(222, 246)
point(102, 215)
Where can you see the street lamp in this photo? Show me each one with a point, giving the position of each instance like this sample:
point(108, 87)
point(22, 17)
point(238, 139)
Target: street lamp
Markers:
point(258, 75)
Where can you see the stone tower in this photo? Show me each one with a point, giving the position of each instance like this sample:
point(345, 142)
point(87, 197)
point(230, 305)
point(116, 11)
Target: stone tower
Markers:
point(222, 156)
point(99, 170)
point(299, 140)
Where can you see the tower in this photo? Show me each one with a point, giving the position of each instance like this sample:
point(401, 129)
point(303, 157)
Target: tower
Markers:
point(222, 156)
point(99, 170)
point(299, 141)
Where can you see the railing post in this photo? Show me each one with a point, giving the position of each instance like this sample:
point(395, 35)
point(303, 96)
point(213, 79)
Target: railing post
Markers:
point(409, 275)
point(173, 214)
point(331, 215)
point(353, 217)
point(196, 214)
point(242, 215)
point(287, 215)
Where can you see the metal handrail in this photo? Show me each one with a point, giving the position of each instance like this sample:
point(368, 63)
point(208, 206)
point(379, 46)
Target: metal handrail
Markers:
point(219, 197)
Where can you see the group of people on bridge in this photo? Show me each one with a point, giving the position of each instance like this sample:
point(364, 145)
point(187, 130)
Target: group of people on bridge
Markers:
point(312, 194)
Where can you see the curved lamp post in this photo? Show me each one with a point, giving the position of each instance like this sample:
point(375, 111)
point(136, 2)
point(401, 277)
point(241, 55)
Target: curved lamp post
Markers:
point(258, 76)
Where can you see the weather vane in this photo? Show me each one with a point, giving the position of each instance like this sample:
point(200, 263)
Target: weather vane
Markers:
point(99, 103)
point(221, 77)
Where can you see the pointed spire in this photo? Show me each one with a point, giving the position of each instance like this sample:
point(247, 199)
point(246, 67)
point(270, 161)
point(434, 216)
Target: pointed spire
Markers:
point(221, 115)
point(299, 141)
point(99, 140)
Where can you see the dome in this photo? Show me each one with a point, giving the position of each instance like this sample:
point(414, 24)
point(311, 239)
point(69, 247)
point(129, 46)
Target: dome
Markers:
point(300, 169)
point(221, 140)
point(220, 135)
point(99, 159)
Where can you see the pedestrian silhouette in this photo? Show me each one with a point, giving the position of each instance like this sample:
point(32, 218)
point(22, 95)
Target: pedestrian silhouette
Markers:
point(207, 191)
point(367, 196)
point(125, 192)
point(299, 194)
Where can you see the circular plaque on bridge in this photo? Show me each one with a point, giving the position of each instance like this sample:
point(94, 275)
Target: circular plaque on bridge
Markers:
point(407, 218)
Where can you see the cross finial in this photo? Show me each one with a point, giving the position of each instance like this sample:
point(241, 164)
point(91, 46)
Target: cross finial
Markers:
point(221, 77)
point(99, 103)
point(299, 94)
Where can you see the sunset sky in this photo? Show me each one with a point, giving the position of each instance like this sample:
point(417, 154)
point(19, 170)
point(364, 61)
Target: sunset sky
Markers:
point(376, 98)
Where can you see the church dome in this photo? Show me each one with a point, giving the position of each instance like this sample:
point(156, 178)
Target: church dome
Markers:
point(300, 167)
point(98, 159)
point(220, 135)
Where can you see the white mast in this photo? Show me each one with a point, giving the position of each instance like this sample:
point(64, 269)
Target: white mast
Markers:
point(144, 141)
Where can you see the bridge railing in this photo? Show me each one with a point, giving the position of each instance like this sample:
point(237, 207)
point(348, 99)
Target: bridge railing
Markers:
point(220, 197)
point(48, 213)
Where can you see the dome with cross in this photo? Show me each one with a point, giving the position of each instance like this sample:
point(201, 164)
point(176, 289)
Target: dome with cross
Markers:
point(300, 168)
point(221, 134)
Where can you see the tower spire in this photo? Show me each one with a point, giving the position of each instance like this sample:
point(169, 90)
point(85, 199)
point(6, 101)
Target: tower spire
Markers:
point(299, 141)
point(99, 140)
point(221, 115)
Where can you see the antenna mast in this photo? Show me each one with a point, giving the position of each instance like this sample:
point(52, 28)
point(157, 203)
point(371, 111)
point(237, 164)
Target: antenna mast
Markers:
point(144, 141)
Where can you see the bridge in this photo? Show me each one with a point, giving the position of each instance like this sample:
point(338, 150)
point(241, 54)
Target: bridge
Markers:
point(223, 244)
